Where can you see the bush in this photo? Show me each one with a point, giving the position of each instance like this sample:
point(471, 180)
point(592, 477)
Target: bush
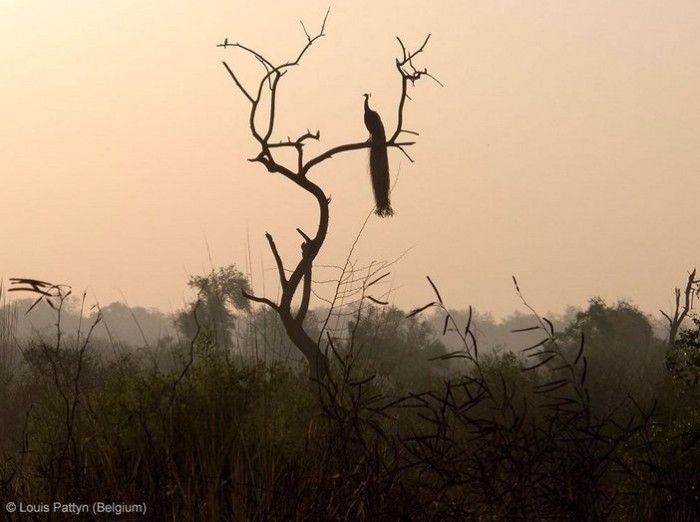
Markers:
point(214, 436)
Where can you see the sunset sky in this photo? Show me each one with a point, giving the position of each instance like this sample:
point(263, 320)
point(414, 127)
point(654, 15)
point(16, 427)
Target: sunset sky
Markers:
point(564, 147)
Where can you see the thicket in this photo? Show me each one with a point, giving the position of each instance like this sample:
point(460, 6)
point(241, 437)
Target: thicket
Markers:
point(600, 422)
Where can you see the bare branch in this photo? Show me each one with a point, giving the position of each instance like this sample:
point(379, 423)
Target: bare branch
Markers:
point(346, 148)
point(299, 142)
point(303, 234)
point(272, 166)
point(262, 300)
point(238, 83)
point(278, 259)
point(679, 314)
point(266, 63)
point(305, 297)
point(377, 301)
point(311, 40)
point(407, 76)
point(425, 73)
point(305, 31)
point(405, 153)
point(273, 104)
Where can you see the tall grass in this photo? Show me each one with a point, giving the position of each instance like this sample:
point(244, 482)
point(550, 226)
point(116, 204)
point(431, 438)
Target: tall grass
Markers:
point(8, 329)
point(216, 436)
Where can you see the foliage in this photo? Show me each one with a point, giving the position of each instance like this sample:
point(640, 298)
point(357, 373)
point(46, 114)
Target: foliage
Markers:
point(621, 350)
point(212, 315)
point(683, 358)
point(218, 436)
point(405, 352)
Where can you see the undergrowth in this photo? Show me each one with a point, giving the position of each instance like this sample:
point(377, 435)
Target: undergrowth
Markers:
point(215, 436)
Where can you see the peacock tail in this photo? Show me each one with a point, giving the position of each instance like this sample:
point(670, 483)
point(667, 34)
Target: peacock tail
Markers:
point(378, 161)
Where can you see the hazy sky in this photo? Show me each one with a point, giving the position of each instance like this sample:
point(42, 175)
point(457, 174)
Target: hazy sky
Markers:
point(564, 147)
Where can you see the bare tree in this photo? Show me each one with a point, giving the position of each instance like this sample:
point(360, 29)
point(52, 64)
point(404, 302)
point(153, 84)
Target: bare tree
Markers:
point(296, 282)
point(692, 287)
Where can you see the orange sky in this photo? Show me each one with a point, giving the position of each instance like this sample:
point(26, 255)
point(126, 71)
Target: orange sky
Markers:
point(564, 147)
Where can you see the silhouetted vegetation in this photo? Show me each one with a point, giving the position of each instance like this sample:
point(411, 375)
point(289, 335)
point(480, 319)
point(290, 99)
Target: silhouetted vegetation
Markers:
point(599, 427)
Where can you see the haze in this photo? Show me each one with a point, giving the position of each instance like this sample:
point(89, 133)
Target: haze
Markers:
point(563, 148)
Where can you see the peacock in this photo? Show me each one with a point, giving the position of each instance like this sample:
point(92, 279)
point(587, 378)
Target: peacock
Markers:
point(378, 161)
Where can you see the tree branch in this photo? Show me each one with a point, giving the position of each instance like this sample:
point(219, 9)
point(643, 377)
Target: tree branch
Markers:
point(238, 83)
point(262, 300)
point(408, 76)
point(679, 314)
point(278, 259)
point(348, 147)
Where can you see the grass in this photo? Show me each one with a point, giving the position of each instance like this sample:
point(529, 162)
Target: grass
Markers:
point(216, 436)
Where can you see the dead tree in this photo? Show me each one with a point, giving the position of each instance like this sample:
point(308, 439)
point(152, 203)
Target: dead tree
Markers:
point(680, 313)
point(296, 282)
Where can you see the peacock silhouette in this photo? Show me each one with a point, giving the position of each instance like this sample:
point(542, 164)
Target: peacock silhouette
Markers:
point(378, 161)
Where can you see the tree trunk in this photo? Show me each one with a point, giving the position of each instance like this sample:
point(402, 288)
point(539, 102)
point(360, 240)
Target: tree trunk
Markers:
point(318, 362)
